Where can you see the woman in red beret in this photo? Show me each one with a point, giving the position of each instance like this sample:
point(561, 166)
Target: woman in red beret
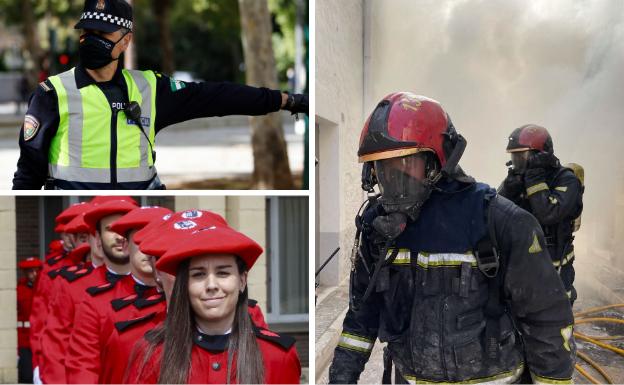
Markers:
point(208, 335)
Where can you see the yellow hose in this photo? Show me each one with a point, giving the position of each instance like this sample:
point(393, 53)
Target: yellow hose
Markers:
point(585, 374)
point(597, 309)
point(598, 368)
point(601, 344)
point(596, 340)
point(599, 319)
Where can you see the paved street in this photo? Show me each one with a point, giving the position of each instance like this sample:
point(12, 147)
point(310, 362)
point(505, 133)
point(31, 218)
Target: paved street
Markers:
point(191, 151)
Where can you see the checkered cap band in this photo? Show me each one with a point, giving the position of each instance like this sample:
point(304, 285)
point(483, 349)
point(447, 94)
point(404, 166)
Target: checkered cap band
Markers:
point(120, 21)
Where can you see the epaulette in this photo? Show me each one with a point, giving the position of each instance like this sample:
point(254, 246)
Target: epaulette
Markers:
point(46, 86)
point(252, 302)
point(96, 290)
point(283, 341)
point(72, 273)
point(55, 273)
point(120, 303)
point(142, 303)
point(125, 325)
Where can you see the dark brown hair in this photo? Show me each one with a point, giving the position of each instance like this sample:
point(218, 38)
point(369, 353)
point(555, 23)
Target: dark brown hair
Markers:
point(177, 333)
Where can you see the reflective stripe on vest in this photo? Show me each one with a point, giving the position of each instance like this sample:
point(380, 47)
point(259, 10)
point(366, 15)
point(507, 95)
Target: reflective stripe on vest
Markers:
point(81, 149)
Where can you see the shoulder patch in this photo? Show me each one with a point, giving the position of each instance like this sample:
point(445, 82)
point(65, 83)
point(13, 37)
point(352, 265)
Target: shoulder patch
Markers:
point(125, 325)
point(31, 127)
point(45, 86)
point(283, 341)
point(176, 85)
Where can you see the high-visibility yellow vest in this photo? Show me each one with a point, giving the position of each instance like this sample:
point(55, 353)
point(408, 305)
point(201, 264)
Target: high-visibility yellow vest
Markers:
point(81, 149)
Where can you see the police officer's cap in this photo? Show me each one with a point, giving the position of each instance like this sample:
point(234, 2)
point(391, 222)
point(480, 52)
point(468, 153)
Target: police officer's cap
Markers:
point(106, 15)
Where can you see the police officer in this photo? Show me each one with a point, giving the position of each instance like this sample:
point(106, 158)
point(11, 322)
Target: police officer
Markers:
point(537, 182)
point(93, 127)
point(456, 279)
point(25, 291)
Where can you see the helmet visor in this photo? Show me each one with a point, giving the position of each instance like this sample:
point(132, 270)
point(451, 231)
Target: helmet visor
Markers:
point(400, 179)
point(519, 161)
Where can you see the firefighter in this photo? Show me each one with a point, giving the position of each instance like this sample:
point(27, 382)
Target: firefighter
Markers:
point(30, 268)
point(208, 317)
point(94, 126)
point(456, 279)
point(537, 182)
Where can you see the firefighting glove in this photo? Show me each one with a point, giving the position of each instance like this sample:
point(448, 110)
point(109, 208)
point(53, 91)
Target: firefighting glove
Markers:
point(513, 185)
point(540, 159)
point(533, 176)
point(297, 103)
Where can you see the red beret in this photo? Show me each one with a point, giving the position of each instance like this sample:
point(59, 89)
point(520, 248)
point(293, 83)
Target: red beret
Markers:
point(30, 263)
point(145, 232)
point(107, 208)
point(78, 225)
point(71, 212)
point(138, 218)
point(79, 253)
point(59, 228)
point(98, 200)
point(213, 239)
point(55, 245)
point(156, 242)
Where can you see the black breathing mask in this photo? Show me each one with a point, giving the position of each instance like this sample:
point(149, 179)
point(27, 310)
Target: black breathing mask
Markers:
point(96, 51)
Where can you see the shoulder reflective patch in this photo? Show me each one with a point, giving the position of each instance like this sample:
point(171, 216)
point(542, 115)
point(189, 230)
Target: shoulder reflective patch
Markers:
point(561, 188)
point(538, 187)
point(535, 247)
point(44, 86)
point(176, 85)
point(31, 127)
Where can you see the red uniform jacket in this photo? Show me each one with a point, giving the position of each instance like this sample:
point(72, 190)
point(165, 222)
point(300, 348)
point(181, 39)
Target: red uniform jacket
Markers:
point(118, 348)
point(25, 292)
point(41, 300)
point(209, 360)
point(94, 322)
point(75, 286)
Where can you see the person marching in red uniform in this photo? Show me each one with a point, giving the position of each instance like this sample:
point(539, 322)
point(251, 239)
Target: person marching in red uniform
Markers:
point(55, 261)
point(25, 291)
point(137, 296)
point(208, 335)
point(81, 281)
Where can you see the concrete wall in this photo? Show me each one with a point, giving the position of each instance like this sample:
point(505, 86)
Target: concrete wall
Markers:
point(8, 295)
point(339, 90)
point(247, 215)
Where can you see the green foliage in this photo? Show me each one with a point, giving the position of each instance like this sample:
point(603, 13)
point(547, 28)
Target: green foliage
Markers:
point(206, 34)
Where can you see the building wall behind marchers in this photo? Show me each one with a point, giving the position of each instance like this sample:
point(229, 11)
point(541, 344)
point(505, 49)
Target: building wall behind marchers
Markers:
point(339, 111)
point(8, 295)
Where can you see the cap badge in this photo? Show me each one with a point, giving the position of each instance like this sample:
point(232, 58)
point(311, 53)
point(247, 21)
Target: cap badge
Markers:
point(101, 4)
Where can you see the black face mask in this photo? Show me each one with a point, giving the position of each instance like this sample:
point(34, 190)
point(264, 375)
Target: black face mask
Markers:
point(96, 51)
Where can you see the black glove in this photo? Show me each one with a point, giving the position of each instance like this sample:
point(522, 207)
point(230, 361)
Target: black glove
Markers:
point(534, 175)
point(540, 159)
point(513, 185)
point(297, 103)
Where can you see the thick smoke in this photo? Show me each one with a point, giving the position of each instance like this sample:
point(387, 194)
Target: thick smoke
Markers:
point(496, 65)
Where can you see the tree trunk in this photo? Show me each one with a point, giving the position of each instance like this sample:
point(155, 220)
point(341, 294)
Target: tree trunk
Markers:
point(31, 42)
point(162, 10)
point(271, 167)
